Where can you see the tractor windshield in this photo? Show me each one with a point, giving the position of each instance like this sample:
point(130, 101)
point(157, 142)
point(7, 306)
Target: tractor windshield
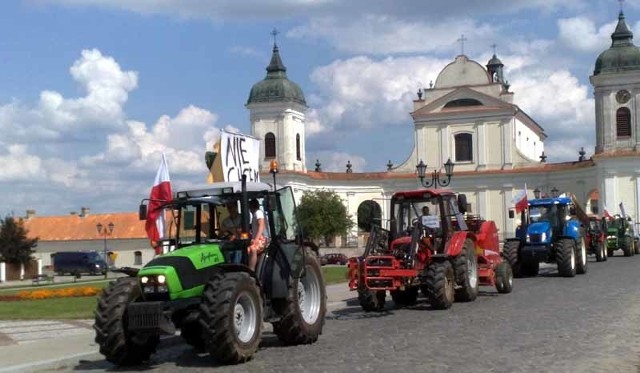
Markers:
point(407, 212)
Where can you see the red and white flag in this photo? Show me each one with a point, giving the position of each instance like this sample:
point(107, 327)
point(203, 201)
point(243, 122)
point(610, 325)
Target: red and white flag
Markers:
point(160, 194)
point(520, 199)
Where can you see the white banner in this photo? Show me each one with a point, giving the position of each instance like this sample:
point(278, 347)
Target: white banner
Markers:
point(240, 155)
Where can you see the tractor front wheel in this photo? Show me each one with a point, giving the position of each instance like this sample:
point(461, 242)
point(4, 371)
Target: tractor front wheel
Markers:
point(465, 266)
point(304, 310)
point(231, 317)
point(510, 254)
point(117, 344)
point(504, 278)
point(371, 300)
point(581, 251)
point(566, 257)
point(627, 250)
point(440, 285)
point(601, 254)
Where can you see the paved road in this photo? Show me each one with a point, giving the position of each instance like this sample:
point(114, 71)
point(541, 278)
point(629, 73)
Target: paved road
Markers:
point(590, 323)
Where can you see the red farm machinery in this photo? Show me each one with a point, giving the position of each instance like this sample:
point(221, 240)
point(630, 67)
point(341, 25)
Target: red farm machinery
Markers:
point(433, 247)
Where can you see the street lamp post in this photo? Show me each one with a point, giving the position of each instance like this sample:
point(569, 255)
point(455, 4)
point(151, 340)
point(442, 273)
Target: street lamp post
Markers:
point(105, 231)
point(435, 175)
point(537, 193)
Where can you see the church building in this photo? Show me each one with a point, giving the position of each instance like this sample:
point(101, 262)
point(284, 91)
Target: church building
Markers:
point(469, 118)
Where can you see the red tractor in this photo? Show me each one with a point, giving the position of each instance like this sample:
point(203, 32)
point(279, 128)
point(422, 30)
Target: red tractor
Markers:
point(430, 246)
point(596, 237)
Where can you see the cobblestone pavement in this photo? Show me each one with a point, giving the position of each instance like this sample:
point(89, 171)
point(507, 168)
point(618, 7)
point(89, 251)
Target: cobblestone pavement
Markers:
point(590, 323)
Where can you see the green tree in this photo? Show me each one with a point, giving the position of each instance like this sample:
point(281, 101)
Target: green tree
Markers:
point(15, 245)
point(322, 215)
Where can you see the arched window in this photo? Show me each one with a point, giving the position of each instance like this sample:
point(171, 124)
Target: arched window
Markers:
point(298, 156)
point(137, 258)
point(270, 145)
point(623, 122)
point(464, 147)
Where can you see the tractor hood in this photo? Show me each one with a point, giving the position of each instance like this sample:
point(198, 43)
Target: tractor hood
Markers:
point(539, 232)
point(185, 270)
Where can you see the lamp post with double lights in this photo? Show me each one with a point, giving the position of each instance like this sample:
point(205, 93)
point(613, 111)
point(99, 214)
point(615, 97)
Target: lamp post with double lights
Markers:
point(537, 193)
point(273, 168)
point(435, 175)
point(105, 231)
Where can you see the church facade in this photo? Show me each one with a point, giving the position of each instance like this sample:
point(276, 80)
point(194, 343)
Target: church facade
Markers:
point(468, 117)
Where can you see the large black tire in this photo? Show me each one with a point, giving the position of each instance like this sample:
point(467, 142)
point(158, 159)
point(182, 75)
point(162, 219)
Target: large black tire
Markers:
point(510, 254)
point(370, 300)
point(117, 344)
point(231, 317)
point(304, 311)
point(465, 267)
point(627, 248)
point(440, 285)
point(406, 297)
point(601, 252)
point(581, 256)
point(504, 278)
point(529, 268)
point(566, 257)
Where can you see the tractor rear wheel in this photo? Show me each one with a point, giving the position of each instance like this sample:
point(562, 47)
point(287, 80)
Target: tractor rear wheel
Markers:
point(510, 254)
point(581, 260)
point(371, 300)
point(504, 278)
point(601, 254)
point(303, 313)
point(231, 317)
point(465, 266)
point(406, 297)
point(627, 250)
point(566, 257)
point(117, 344)
point(440, 285)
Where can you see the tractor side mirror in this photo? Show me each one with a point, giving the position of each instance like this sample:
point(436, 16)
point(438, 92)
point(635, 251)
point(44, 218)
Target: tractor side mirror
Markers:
point(512, 214)
point(462, 203)
point(142, 212)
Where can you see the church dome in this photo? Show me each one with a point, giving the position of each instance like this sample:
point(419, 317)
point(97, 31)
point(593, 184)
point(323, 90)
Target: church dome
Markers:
point(276, 87)
point(462, 72)
point(623, 55)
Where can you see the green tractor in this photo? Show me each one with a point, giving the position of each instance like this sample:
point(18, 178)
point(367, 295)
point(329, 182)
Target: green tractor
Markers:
point(204, 287)
point(620, 236)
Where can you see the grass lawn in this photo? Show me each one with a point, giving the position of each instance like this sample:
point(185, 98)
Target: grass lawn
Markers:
point(83, 307)
point(334, 275)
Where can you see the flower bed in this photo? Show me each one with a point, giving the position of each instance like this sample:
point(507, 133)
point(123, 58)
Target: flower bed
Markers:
point(52, 293)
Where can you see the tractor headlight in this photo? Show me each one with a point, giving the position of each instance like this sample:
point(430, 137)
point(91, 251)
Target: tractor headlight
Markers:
point(528, 238)
point(154, 284)
point(611, 237)
point(144, 279)
point(543, 237)
point(161, 279)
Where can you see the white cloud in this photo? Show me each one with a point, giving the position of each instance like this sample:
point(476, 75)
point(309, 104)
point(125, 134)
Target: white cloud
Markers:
point(581, 34)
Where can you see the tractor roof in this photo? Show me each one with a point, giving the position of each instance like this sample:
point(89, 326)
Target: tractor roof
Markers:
point(550, 201)
point(222, 188)
point(421, 193)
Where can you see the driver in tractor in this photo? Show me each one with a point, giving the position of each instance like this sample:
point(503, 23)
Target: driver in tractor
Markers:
point(232, 224)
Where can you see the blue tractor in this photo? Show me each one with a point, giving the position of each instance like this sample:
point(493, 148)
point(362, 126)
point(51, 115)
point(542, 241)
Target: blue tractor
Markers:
point(551, 230)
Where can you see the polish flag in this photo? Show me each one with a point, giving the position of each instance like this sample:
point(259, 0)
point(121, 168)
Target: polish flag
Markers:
point(520, 200)
point(160, 194)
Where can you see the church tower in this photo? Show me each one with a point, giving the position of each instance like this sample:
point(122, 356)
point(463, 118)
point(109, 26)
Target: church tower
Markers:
point(616, 84)
point(277, 113)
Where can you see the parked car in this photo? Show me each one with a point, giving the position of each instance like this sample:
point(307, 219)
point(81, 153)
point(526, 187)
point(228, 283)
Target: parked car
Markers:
point(78, 262)
point(340, 259)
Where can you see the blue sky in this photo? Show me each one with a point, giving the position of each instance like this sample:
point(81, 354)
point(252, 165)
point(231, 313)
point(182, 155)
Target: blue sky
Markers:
point(92, 91)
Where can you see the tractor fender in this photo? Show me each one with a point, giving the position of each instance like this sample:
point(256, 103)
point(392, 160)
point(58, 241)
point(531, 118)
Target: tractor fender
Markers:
point(487, 236)
point(456, 243)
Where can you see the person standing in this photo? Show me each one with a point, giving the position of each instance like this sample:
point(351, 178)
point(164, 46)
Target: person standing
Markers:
point(259, 233)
